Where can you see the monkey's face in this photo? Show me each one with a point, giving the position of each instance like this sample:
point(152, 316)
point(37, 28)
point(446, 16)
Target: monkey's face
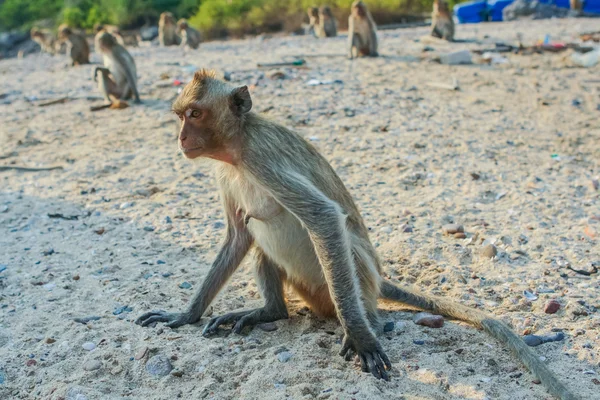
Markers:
point(197, 134)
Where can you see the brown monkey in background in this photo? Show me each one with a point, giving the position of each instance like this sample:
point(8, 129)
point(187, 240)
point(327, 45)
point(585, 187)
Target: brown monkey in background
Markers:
point(167, 35)
point(189, 36)
point(282, 198)
point(442, 24)
point(313, 21)
point(362, 32)
point(113, 30)
point(118, 78)
point(77, 45)
point(45, 39)
point(327, 23)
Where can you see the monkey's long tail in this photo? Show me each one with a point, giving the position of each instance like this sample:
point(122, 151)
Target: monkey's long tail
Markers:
point(494, 327)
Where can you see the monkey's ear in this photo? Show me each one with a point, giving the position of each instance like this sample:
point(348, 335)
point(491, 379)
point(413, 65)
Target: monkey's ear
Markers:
point(240, 101)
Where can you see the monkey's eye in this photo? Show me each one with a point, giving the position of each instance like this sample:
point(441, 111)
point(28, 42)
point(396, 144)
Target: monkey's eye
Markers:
point(195, 114)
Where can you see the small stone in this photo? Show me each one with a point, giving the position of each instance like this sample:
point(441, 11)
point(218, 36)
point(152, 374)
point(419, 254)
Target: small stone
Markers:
point(125, 205)
point(177, 374)
point(159, 365)
point(75, 277)
point(50, 340)
point(149, 228)
point(284, 356)
point(268, 327)
point(489, 251)
point(419, 342)
point(75, 393)
point(89, 346)
point(389, 326)
point(551, 307)
point(141, 353)
point(168, 220)
point(122, 309)
point(460, 235)
point(160, 262)
point(92, 365)
point(536, 381)
point(185, 285)
point(405, 228)
point(386, 229)
point(31, 363)
point(430, 320)
point(451, 229)
point(85, 320)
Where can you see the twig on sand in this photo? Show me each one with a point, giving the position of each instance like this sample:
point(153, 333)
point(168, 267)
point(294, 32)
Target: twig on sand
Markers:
point(51, 102)
point(27, 169)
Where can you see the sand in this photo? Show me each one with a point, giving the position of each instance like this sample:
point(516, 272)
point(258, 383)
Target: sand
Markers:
point(511, 156)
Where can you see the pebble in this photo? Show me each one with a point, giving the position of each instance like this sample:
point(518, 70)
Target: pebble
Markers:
point(405, 228)
point(460, 235)
point(268, 327)
point(551, 307)
point(489, 251)
point(451, 229)
point(75, 393)
point(168, 220)
point(185, 285)
point(141, 353)
point(50, 340)
point(419, 342)
point(430, 320)
point(386, 229)
point(389, 326)
point(122, 309)
point(177, 374)
point(159, 365)
point(89, 346)
point(536, 340)
point(85, 320)
point(92, 365)
point(160, 262)
point(126, 205)
point(149, 228)
point(284, 356)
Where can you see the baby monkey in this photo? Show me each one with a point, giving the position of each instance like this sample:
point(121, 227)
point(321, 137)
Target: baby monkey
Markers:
point(362, 32)
point(77, 45)
point(118, 78)
point(442, 24)
point(284, 201)
point(189, 36)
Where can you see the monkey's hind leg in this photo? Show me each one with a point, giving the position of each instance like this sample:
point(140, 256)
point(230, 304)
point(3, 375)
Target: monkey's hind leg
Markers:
point(270, 281)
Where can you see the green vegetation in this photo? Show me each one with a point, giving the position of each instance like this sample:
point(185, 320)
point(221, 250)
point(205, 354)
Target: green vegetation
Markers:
point(211, 16)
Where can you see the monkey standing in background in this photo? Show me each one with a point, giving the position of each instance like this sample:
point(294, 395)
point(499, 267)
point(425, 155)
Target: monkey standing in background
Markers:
point(282, 198)
point(45, 39)
point(166, 30)
point(118, 78)
point(77, 45)
point(442, 24)
point(327, 23)
point(313, 21)
point(362, 35)
point(189, 36)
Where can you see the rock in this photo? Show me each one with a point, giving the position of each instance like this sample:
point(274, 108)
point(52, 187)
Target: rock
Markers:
point(92, 365)
point(405, 228)
point(125, 205)
point(284, 356)
point(177, 374)
point(50, 340)
point(89, 346)
point(551, 307)
point(268, 327)
point(457, 57)
point(419, 342)
point(159, 365)
point(389, 326)
point(451, 229)
point(149, 228)
point(489, 251)
point(185, 285)
point(386, 229)
point(141, 353)
point(535, 340)
point(430, 320)
point(85, 320)
point(75, 393)
point(122, 309)
point(460, 235)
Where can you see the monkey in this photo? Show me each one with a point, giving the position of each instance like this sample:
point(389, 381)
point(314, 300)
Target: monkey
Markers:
point(118, 78)
point(284, 201)
point(113, 30)
point(362, 31)
point(313, 21)
point(45, 39)
point(189, 36)
point(77, 45)
point(327, 23)
point(442, 24)
point(166, 30)
point(576, 6)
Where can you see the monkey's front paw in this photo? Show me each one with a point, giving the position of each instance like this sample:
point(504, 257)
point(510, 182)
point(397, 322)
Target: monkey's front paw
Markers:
point(241, 319)
point(371, 355)
point(173, 320)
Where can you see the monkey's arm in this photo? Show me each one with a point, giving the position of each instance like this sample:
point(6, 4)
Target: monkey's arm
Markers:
point(237, 243)
point(325, 222)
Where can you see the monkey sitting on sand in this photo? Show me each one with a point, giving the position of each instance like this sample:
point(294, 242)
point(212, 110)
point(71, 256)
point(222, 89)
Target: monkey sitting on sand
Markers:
point(362, 32)
point(167, 35)
point(327, 23)
point(189, 36)
point(313, 21)
point(283, 200)
point(442, 24)
point(45, 39)
point(77, 45)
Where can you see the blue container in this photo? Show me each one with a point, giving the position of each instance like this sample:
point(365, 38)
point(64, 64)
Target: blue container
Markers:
point(592, 6)
point(471, 12)
point(495, 8)
point(562, 3)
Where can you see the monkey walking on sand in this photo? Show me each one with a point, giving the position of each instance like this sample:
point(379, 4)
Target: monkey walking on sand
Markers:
point(189, 36)
point(167, 35)
point(284, 200)
point(118, 78)
point(77, 45)
point(442, 24)
point(362, 32)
